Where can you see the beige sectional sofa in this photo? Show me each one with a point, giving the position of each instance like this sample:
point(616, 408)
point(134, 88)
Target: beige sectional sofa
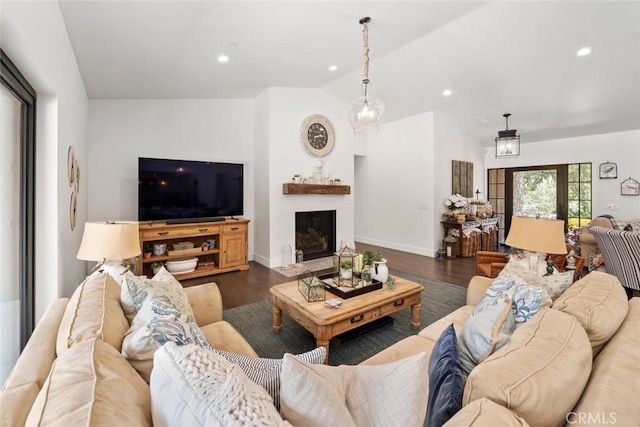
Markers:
point(578, 360)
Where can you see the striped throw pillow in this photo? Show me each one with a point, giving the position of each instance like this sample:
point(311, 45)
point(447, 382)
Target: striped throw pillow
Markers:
point(621, 252)
point(266, 372)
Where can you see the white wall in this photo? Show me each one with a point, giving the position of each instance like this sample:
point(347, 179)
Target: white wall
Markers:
point(34, 36)
point(622, 148)
point(261, 220)
point(287, 108)
point(395, 186)
point(452, 144)
point(120, 131)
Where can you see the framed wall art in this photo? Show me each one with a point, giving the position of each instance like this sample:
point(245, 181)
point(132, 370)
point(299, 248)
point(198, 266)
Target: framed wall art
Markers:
point(630, 187)
point(608, 170)
point(462, 178)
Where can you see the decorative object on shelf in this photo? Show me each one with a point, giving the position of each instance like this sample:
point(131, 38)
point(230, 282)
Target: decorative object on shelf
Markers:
point(608, 170)
point(456, 204)
point(537, 236)
point(366, 112)
point(156, 266)
point(311, 287)
point(630, 187)
point(182, 266)
point(317, 135)
point(507, 141)
point(180, 246)
point(343, 262)
point(211, 243)
point(160, 249)
point(110, 244)
point(299, 258)
point(296, 179)
point(148, 250)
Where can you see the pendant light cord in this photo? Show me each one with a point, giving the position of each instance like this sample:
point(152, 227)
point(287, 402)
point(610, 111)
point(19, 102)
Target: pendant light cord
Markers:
point(365, 43)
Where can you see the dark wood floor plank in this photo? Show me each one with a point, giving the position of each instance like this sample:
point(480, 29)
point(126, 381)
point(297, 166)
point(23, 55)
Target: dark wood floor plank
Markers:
point(249, 286)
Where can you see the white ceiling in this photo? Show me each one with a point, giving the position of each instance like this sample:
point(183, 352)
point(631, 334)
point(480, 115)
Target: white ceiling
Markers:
point(496, 57)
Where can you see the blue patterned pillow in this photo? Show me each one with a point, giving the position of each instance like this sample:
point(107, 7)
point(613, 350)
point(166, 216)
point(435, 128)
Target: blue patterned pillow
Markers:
point(446, 384)
point(136, 289)
point(484, 333)
point(157, 323)
point(527, 301)
point(500, 289)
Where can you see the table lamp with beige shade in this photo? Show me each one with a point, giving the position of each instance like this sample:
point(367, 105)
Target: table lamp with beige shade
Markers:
point(535, 236)
point(110, 243)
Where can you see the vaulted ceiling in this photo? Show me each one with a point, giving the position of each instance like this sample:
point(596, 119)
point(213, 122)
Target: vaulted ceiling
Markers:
point(495, 57)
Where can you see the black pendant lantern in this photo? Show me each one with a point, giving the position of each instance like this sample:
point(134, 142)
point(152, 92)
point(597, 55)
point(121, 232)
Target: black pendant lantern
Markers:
point(507, 141)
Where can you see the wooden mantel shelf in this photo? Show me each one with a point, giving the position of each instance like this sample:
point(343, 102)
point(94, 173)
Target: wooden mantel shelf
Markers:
point(291, 188)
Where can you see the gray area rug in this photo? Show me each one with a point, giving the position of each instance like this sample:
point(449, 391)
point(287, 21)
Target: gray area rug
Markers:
point(254, 322)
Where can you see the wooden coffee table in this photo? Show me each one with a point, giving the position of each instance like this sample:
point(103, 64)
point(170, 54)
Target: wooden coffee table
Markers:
point(325, 323)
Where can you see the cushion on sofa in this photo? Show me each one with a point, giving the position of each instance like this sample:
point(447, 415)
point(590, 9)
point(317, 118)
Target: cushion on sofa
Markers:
point(409, 346)
point(136, 289)
point(485, 413)
point(445, 380)
point(484, 333)
point(93, 311)
point(19, 399)
point(599, 303)
point(191, 386)
point(393, 394)
point(92, 384)
point(612, 392)
point(35, 361)
point(223, 336)
point(554, 284)
point(266, 372)
point(547, 354)
point(458, 318)
point(156, 323)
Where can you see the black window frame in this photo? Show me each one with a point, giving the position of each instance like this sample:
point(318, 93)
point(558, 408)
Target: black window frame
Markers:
point(13, 80)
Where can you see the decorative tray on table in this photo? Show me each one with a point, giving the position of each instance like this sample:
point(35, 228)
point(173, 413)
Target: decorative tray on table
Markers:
point(348, 291)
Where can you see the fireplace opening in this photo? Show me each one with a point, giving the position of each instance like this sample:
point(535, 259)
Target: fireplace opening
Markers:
point(316, 233)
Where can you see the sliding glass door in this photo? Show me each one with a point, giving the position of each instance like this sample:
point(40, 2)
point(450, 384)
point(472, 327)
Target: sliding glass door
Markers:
point(17, 173)
point(552, 191)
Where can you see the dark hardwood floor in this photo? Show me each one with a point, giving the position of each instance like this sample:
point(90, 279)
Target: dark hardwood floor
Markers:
point(245, 287)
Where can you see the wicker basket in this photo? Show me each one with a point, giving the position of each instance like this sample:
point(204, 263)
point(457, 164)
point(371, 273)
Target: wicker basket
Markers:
point(489, 241)
point(469, 245)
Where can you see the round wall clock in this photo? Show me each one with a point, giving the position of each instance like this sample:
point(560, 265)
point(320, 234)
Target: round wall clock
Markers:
point(317, 135)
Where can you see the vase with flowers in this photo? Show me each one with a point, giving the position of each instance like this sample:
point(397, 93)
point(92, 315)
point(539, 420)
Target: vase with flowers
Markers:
point(457, 205)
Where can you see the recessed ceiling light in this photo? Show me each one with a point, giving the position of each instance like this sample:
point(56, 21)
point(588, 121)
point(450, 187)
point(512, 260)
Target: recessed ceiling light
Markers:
point(333, 68)
point(584, 51)
point(447, 92)
point(223, 58)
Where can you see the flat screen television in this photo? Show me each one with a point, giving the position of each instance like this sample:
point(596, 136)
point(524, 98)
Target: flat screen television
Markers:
point(188, 191)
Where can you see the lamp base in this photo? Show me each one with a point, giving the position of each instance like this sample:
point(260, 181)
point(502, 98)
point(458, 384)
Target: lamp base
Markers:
point(115, 269)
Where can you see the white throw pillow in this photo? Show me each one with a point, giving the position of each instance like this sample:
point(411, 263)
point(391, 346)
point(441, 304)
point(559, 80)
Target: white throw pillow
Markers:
point(555, 284)
point(156, 324)
point(135, 289)
point(267, 372)
point(191, 386)
point(393, 394)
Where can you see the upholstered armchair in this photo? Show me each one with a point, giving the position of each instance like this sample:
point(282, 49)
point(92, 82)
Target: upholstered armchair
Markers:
point(621, 252)
point(490, 264)
point(588, 245)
